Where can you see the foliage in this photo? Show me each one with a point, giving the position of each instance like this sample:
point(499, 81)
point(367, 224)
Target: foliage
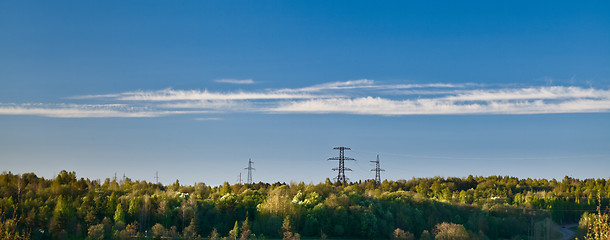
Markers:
point(425, 235)
point(598, 225)
point(214, 235)
point(287, 231)
point(158, 231)
point(450, 231)
point(234, 233)
point(96, 232)
point(494, 207)
point(401, 234)
point(245, 230)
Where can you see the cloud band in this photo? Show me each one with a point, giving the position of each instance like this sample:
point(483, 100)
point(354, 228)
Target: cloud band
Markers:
point(350, 97)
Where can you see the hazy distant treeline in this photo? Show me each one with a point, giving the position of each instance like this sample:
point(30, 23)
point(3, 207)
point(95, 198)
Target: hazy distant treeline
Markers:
point(443, 208)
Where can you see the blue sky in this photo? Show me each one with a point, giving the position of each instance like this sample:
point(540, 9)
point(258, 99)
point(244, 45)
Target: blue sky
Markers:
point(193, 89)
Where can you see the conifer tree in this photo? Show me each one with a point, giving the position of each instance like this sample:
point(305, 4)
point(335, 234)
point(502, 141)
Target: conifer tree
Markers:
point(234, 233)
point(245, 230)
point(119, 214)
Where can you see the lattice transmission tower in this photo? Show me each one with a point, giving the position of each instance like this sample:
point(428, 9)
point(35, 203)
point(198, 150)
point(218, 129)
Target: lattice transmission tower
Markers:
point(341, 175)
point(377, 170)
point(249, 168)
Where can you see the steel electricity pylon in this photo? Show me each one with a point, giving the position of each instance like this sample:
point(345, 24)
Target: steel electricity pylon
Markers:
point(249, 168)
point(377, 170)
point(341, 175)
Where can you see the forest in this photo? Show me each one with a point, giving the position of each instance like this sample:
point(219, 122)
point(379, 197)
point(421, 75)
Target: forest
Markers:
point(473, 207)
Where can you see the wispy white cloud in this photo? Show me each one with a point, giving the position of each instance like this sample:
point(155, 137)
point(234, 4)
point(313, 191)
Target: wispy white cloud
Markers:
point(435, 106)
point(353, 84)
point(376, 106)
point(530, 100)
point(197, 95)
point(235, 81)
point(430, 85)
point(215, 105)
point(555, 92)
point(99, 96)
point(366, 84)
point(362, 96)
point(84, 111)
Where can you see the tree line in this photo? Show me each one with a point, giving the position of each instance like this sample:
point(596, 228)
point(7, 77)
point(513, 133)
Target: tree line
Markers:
point(494, 207)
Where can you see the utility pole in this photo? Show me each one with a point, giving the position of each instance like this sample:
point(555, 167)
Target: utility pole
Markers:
point(377, 170)
point(157, 176)
point(249, 168)
point(341, 175)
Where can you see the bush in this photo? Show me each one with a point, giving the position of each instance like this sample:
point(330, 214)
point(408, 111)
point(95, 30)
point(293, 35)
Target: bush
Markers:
point(96, 232)
point(158, 230)
point(401, 234)
point(450, 231)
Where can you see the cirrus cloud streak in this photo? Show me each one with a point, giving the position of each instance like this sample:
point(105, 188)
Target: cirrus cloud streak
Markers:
point(235, 81)
point(363, 96)
point(383, 106)
point(86, 111)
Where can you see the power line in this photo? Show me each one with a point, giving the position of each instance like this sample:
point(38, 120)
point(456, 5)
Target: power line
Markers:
point(377, 170)
point(249, 168)
point(341, 175)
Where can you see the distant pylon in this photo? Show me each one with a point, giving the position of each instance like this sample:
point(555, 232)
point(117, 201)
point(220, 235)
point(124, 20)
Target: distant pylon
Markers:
point(341, 175)
point(249, 168)
point(239, 179)
point(377, 170)
point(157, 176)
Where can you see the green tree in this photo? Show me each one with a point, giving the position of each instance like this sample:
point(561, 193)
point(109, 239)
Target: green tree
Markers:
point(158, 231)
point(8, 230)
point(599, 226)
point(63, 214)
point(425, 235)
point(401, 234)
point(288, 234)
point(214, 234)
point(96, 232)
point(436, 188)
point(191, 232)
point(245, 230)
point(234, 233)
point(119, 214)
point(132, 229)
point(368, 224)
point(450, 231)
point(134, 207)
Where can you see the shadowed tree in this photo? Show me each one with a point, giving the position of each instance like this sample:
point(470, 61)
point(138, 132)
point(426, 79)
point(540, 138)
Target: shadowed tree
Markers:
point(96, 232)
point(425, 235)
point(287, 230)
point(158, 231)
point(245, 230)
point(234, 233)
point(401, 234)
